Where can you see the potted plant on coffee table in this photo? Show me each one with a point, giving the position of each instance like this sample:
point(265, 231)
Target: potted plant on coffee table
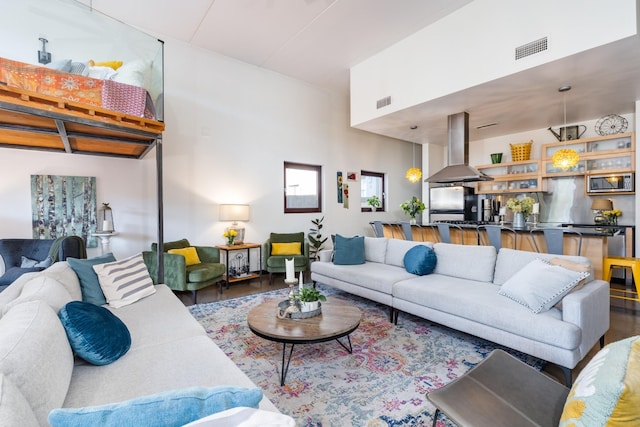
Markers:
point(310, 298)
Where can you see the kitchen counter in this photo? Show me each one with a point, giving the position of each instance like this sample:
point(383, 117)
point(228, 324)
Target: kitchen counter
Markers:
point(594, 238)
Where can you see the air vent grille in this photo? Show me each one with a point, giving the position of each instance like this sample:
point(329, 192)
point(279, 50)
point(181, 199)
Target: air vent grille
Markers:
point(383, 102)
point(531, 48)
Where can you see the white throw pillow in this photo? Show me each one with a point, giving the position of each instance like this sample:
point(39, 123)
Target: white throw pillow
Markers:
point(125, 281)
point(43, 288)
point(540, 285)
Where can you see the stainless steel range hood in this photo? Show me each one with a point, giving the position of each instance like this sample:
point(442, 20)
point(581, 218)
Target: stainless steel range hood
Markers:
point(458, 155)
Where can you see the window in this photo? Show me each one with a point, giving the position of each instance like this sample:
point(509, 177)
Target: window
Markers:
point(302, 188)
point(371, 184)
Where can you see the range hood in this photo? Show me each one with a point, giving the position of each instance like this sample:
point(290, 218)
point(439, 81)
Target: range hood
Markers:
point(458, 155)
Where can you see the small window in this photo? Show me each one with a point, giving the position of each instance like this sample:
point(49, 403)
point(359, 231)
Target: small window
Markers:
point(302, 188)
point(371, 184)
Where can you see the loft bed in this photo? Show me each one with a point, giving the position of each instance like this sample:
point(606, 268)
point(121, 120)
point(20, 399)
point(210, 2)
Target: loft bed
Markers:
point(80, 106)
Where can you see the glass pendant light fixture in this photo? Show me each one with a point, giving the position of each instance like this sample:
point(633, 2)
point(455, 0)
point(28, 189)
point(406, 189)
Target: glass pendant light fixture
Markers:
point(413, 174)
point(565, 158)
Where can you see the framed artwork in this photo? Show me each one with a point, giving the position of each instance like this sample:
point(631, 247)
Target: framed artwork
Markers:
point(339, 186)
point(64, 206)
point(352, 176)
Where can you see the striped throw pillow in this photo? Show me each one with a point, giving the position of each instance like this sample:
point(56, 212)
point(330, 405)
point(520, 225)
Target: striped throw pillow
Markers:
point(125, 281)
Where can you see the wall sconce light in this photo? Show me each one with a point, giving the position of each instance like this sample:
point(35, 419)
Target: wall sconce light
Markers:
point(44, 57)
point(235, 213)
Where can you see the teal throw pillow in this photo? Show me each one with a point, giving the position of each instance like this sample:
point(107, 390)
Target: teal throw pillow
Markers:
point(420, 260)
point(348, 250)
point(170, 408)
point(95, 334)
point(89, 284)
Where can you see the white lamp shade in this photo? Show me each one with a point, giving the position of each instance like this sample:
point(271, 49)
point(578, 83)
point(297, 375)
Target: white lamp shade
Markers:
point(234, 213)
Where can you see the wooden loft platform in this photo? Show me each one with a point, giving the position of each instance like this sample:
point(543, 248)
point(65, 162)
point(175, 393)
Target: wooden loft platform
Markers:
point(29, 120)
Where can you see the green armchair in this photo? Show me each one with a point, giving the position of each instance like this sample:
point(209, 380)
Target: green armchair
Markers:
point(182, 277)
point(275, 263)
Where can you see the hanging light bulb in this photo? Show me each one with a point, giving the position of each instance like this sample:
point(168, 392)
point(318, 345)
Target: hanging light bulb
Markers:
point(565, 158)
point(413, 174)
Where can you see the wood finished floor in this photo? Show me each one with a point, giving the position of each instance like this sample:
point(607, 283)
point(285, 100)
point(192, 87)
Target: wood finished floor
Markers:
point(624, 320)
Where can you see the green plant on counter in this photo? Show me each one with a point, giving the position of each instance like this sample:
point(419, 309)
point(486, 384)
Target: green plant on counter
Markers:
point(524, 205)
point(311, 294)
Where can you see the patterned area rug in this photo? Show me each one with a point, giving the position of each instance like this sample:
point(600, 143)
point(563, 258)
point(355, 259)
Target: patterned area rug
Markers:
point(383, 383)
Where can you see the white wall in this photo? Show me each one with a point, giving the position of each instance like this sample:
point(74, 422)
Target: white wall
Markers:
point(229, 128)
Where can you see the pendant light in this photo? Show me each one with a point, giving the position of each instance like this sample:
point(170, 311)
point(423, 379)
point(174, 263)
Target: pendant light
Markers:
point(565, 158)
point(413, 174)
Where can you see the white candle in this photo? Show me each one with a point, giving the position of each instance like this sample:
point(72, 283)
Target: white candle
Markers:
point(107, 226)
point(503, 210)
point(536, 208)
point(289, 269)
point(301, 282)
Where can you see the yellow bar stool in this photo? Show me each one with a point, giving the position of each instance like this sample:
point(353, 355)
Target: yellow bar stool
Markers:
point(623, 262)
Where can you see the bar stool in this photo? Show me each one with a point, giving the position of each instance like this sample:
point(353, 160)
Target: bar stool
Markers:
point(444, 229)
point(377, 228)
point(554, 238)
point(407, 230)
point(623, 262)
point(494, 234)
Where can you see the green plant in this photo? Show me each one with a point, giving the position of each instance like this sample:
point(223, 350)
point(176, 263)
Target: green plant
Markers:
point(374, 201)
point(310, 294)
point(412, 207)
point(315, 238)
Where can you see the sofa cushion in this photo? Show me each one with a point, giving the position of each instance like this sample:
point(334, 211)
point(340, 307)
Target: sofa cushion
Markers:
point(95, 334)
point(42, 288)
point(13, 273)
point(466, 261)
point(36, 357)
point(375, 249)
point(125, 281)
point(348, 250)
point(510, 261)
point(606, 390)
point(397, 248)
point(420, 260)
point(89, 284)
point(204, 272)
point(63, 273)
point(540, 285)
point(288, 248)
point(286, 237)
point(14, 408)
point(170, 408)
point(190, 254)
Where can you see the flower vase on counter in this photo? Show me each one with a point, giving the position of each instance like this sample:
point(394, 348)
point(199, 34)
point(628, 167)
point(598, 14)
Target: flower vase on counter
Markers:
point(518, 220)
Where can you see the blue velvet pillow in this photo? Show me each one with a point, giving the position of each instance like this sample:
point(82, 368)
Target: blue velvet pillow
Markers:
point(170, 408)
point(95, 334)
point(89, 284)
point(348, 250)
point(420, 260)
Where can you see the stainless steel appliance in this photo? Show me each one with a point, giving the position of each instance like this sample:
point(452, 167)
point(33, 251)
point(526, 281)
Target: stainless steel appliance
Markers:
point(610, 183)
point(456, 203)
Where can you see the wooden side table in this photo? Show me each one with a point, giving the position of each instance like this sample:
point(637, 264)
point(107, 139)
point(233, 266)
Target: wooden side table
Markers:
point(251, 274)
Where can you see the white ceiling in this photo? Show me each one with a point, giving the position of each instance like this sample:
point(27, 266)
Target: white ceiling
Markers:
point(317, 41)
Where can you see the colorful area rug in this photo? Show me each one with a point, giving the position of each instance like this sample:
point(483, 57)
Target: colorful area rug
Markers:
point(383, 383)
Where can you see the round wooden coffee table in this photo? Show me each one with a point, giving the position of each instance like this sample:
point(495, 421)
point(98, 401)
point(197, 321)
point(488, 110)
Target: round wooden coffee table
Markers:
point(338, 319)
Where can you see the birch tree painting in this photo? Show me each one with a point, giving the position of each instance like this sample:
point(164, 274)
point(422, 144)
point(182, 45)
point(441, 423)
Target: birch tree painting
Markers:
point(64, 206)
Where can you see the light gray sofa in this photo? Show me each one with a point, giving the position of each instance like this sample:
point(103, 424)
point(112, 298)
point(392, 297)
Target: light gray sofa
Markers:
point(169, 350)
point(463, 293)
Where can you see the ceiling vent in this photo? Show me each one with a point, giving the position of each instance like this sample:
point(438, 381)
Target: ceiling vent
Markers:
point(531, 48)
point(383, 102)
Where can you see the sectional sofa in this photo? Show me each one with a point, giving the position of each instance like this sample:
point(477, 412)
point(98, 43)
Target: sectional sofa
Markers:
point(498, 296)
point(169, 351)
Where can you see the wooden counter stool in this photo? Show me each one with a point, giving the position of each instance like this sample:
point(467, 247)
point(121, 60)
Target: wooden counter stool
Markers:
point(622, 262)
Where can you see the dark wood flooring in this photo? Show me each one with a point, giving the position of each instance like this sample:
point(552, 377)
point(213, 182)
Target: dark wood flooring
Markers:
point(624, 321)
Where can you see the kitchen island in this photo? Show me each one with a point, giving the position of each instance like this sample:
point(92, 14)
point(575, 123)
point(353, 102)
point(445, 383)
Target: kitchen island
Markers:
point(595, 239)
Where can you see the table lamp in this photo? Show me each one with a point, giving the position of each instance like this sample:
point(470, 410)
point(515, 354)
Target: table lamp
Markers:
point(235, 213)
point(600, 205)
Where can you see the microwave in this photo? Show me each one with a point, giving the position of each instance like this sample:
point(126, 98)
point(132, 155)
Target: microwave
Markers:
point(610, 183)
